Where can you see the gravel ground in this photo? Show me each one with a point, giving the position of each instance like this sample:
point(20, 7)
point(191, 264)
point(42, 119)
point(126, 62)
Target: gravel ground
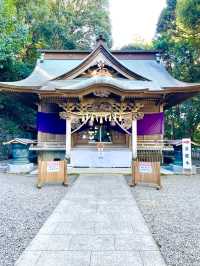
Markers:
point(23, 211)
point(173, 216)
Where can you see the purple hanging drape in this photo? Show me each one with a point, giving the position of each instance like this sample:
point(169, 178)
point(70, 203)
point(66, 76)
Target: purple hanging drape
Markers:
point(50, 123)
point(151, 124)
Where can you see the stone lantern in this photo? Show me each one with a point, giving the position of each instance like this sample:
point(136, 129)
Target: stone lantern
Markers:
point(20, 155)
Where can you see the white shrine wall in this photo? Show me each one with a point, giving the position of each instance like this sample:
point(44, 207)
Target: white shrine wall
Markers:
point(110, 157)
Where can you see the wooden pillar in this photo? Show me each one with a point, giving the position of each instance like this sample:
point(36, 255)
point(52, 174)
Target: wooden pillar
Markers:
point(134, 150)
point(134, 139)
point(68, 138)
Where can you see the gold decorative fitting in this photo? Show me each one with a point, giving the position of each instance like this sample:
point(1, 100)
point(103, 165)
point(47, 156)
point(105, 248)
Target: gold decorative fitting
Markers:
point(99, 69)
point(102, 110)
point(101, 93)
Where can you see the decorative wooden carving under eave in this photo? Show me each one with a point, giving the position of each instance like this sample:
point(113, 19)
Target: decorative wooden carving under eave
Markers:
point(102, 93)
point(102, 110)
point(103, 72)
point(101, 104)
point(101, 69)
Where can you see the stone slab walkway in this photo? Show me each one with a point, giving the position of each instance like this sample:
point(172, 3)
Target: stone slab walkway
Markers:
point(96, 224)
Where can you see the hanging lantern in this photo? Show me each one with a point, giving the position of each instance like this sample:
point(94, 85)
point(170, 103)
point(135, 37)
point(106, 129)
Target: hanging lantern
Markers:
point(91, 122)
point(112, 123)
point(101, 120)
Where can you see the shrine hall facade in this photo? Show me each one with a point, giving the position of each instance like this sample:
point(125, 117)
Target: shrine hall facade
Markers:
point(94, 107)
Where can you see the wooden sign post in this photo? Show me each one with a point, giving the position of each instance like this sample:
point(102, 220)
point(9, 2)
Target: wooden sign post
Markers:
point(187, 156)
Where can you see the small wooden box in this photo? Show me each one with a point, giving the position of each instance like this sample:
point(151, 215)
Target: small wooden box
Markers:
point(146, 168)
point(52, 171)
point(146, 172)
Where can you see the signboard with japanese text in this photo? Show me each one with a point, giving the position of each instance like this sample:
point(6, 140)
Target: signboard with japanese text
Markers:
point(52, 171)
point(53, 167)
point(187, 154)
point(145, 168)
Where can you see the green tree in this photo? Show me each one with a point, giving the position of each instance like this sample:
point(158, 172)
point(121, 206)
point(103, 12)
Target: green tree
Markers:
point(178, 38)
point(138, 44)
point(14, 39)
point(29, 25)
point(66, 24)
point(166, 21)
point(188, 16)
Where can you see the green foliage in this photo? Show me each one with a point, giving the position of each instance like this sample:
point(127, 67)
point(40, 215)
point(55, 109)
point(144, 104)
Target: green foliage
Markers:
point(65, 24)
point(181, 120)
point(188, 15)
point(14, 38)
point(29, 25)
point(21, 112)
point(177, 37)
point(138, 44)
point(17, 119)
point(166, 20)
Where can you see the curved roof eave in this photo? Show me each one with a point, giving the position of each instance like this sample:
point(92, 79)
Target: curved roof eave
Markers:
point(124, 85)
point(186, 87)
point(157, 77)
point(39, 76)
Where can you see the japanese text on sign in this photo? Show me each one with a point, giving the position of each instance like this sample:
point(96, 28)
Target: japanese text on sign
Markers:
point(187, 158)
point(145, 168)
point(53, 167)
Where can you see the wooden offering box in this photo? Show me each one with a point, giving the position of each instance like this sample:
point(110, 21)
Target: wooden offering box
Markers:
point(52, 171)
point(146, 169)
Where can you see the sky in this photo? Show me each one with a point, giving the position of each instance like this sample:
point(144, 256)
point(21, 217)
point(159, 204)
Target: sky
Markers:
point(134, 19)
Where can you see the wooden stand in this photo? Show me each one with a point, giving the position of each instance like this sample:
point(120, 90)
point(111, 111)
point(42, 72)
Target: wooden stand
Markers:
point(152, 177)
point(52, 171)
point(146, 169)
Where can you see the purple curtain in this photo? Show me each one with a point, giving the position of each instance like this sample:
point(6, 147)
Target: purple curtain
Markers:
point(50, 123)
point(151, 124)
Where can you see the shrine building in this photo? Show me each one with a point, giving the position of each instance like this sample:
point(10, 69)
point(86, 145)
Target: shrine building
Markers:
point(96, 107)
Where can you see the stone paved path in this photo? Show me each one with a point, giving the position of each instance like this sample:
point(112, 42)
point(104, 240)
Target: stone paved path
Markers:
point(96, 224)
